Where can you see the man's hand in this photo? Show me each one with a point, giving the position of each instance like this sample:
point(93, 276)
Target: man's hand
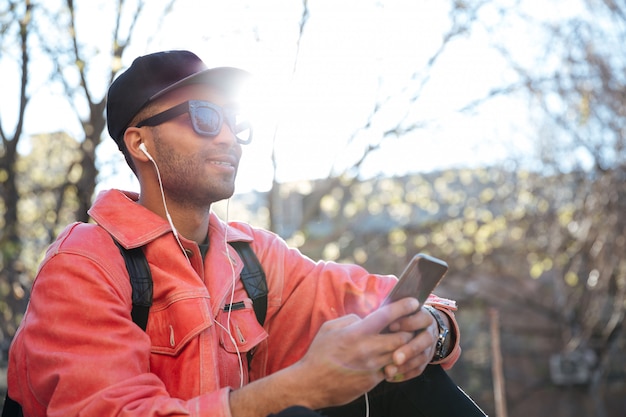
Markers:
point(410, 360)
point(348, 357)
point(348, 354)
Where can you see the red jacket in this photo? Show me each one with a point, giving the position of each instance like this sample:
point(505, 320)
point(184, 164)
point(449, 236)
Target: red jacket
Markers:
point(78, 353)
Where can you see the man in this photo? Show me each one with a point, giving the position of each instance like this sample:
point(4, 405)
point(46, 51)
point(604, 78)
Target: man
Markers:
point(78, 352)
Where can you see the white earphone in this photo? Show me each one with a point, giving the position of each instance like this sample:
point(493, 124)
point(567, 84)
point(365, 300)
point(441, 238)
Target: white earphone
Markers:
point(142, 147)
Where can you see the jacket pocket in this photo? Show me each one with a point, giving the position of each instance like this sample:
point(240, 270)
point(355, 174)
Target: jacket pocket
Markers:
point(171, 328)
point(244, 333)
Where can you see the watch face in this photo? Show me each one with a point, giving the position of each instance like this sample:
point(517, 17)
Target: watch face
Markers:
point(441, 341)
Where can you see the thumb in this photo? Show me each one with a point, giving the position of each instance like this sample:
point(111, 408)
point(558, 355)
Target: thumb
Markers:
point(381, 318)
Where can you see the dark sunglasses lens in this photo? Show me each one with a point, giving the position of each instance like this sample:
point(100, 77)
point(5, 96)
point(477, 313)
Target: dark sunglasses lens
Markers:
point(206, 120)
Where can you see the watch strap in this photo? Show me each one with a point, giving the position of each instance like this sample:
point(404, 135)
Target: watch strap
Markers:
point(443, 333)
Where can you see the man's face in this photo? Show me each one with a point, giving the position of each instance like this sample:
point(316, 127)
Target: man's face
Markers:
point(195, 169)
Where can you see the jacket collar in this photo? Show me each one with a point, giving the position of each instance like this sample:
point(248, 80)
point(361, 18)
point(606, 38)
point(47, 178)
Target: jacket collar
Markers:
point(133, 225)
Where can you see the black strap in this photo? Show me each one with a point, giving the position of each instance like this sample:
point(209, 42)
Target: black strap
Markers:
point(253, 279)
point(140, 281)
point(11, 408)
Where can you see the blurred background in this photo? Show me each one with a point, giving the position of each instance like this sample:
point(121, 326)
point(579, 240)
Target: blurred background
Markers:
point(489, 133)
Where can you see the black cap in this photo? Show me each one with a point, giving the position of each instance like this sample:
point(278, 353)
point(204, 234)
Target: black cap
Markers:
point(151, 76)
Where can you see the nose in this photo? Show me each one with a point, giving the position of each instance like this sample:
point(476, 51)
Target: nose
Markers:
point(226, 136)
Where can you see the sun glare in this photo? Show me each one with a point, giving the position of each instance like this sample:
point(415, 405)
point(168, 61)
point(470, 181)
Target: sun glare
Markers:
point(315, 86)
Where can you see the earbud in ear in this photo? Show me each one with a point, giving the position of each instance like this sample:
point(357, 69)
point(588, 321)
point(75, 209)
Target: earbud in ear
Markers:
point(142, 147)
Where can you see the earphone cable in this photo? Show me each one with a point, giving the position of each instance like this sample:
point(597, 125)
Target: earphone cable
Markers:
point(167, 212)
point(232, 293)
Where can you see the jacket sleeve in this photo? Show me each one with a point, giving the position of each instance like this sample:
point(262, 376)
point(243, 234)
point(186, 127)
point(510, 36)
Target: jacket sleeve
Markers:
point(78, 352)
point(448, 307)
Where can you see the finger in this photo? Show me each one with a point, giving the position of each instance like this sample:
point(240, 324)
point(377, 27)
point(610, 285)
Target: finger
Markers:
point(420, 320)
point(381, 318)
point(341, 322)
point(412, 368)
point(408, 365)
point(416, 353)
point(415, 367)
point(399, 375)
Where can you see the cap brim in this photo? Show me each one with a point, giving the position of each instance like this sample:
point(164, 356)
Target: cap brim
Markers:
point(226, 79)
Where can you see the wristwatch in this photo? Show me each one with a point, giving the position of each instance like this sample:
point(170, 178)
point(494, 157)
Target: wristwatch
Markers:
point(443, 334)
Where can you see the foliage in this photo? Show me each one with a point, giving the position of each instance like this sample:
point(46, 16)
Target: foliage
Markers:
point(538, 249)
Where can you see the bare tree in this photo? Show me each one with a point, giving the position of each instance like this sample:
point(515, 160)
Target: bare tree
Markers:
point(573, 226)
point(67, 196)
point(462, 16)
point(541, 239)
point(584, 131)
point(72, 59)
point(15, 25)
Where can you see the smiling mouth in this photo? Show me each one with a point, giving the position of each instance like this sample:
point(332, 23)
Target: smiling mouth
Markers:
point(222, 163)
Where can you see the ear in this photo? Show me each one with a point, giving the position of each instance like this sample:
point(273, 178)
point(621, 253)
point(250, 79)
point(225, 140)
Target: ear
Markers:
point(134, 137)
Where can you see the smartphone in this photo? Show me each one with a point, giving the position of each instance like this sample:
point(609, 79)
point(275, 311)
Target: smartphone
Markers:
point(419, 278)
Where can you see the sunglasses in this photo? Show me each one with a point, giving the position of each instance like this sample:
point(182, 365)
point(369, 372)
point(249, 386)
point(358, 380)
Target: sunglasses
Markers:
point(206, 118)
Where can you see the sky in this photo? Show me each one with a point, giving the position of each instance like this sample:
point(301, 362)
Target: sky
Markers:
point(352, 55)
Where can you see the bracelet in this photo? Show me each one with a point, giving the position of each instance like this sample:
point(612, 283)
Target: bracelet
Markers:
point(443, 333)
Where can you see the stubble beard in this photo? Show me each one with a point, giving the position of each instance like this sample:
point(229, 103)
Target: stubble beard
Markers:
point(185, 181)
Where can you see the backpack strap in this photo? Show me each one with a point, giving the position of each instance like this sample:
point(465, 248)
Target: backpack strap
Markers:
point(252, 277)
point(11, 408)
point(140, 281)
